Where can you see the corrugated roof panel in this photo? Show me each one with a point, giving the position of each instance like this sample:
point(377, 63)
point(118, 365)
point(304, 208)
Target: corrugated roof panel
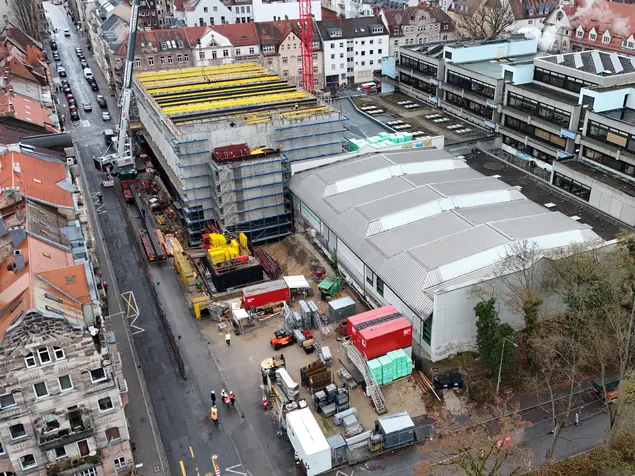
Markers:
point(462, 173)
point(420, 155)
point(465, 187)
point(347, 169)
point(396, 203)
point(359, 181)
point(545, 224)
point(411, 215)
point(395, 423)
point(368, 193)
point(501, 211)
point(483, 198)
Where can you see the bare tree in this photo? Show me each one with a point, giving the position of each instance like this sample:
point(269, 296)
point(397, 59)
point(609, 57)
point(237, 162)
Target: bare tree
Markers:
point(487, 19)
point(489, 447)
point(27, 16)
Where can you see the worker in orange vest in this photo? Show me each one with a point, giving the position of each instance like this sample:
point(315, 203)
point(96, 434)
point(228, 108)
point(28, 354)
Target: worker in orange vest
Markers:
point(214, 415)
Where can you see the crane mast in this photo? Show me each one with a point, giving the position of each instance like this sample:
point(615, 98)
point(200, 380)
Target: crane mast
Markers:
point(306, 41)
point(123, 159)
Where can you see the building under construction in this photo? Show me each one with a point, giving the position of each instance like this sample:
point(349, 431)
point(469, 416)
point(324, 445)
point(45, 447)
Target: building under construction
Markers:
point(224, 136)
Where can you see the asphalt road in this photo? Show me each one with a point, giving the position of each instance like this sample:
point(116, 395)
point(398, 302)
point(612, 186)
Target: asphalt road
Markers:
point(181, 408)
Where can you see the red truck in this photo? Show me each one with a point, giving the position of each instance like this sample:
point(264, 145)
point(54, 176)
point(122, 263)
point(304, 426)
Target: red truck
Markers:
point(125, 187)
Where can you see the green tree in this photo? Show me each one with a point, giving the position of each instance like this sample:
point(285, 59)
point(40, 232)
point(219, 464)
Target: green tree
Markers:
point(490, 337)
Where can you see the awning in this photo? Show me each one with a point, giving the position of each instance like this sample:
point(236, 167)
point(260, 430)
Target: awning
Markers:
point(296, 282)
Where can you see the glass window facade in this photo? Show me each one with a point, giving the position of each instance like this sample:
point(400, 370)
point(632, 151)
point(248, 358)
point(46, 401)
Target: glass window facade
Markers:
point(418, 84)
point(561, 81)
point(472, 85)
point(535, 108)
point(611, 136)
point(471, 106)
point(571, 186)
point(609, 161)
point(425, 68)
point(535, 132)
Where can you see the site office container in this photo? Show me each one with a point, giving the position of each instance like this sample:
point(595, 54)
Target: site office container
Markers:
point(373, 314)
point(262, 294)
point(308, 441)
point(378, 340)
point(230, 152)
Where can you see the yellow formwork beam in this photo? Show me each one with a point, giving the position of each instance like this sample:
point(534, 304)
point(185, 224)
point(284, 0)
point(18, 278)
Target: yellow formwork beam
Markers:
point(204, 78)
point(216, 85)
point(303, 112)
point(185, 96)
point(204, 70)
point(237, 94)
point(233, 103)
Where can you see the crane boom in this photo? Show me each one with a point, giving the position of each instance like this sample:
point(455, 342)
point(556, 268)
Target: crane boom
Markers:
point(306, 42)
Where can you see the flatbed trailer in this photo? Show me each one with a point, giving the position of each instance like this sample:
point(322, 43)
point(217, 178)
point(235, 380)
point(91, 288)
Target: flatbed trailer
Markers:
point(125, 187)
point(147, 245)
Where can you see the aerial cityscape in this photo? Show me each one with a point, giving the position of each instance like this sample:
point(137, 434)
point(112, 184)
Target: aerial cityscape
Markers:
point(317, 237)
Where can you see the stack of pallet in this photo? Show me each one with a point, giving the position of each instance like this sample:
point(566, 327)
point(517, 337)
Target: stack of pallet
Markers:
point(402, 363)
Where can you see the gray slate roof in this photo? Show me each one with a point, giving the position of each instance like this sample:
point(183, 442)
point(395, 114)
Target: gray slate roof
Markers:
point(423, 220)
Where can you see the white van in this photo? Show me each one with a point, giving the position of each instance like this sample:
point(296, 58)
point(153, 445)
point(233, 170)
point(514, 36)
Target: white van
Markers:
point(88, 74)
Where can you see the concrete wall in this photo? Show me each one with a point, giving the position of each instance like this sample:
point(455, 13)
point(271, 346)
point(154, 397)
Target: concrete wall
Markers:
point(496, 50)
point(607, 199)
point(608, 100)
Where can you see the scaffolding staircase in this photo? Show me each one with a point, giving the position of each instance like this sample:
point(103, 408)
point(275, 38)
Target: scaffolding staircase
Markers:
point(372, 389)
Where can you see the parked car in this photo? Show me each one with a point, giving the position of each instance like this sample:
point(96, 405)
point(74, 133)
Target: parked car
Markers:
point(87, 107)
point(69, 96)
point(94, 86)
point(56, 56)
point(67, 33)
point(66, 90)
point(53, 44)
point(72, 108)
point(81, 57)
point(74, 116)
point(61, 71)
point(83, 63)
point(65, 82)
point(72, 102)
point(88, 74)
point(102, 102)
point(78, 51)
point(106, 116)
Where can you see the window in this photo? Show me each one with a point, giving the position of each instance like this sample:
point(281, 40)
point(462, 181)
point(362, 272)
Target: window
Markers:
point(2, 452)
point(17, 431)
point(215, 9)
point(469, 84)
point(205, 9)
point(112, 434)
point(27, 461)
point(606, 39)
point(186, 58)
point(379, 41)
point(269, 49)
point(222, 20)
point(44, 355)
point(170, 60)
point(363, 63)
point(285, 73)
point(60, 452)
point(211, 20)
point(426, 330)
point(315, 69)
point(150, 61)
point(30, 361)
point(579, 33)
point(370, 276)
point(592, 36)
point(179, 58)
point(41, 390)
point(379, 51)
point(371, 62)
point(97, 375)
point(214, 54)
point(58, 352)
point(201, 55)
point(333, 56)
point(269, 62)
point(105, 404)
point(396, 42)
point(201, 22)
point(162, 60)
point(237, 51)
point(315, 56)
point(252, 50)
point(332, 67)
point(7, 401)
point(87, 472)
point(51, 423)
point(120, 462)
point(571, 186)
point(380, 287)
point(65, 382)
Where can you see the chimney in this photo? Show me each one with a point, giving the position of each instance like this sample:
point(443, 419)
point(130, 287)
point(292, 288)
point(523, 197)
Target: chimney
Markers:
point(19, 260)
point(3, 229)
point(18, 235)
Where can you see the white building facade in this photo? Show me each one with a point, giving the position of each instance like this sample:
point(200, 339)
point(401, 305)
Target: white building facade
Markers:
point(279, 10)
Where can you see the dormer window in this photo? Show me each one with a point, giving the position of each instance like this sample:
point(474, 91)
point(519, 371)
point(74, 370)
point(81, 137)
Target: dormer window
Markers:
point(336, 33)
point(377, 29)
point(592, 36)
point(580, 33)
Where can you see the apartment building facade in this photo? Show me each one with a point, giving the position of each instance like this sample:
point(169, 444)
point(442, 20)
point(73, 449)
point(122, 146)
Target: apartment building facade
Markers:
point(63, 393)
point(353, 49)
point(416, 26)
point(277, 10)
point(202, 13)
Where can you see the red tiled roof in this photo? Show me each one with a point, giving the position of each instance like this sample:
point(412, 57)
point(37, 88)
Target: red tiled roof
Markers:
point(193, 33)
point(36, 178)
point(178, 5)
point(72, 280)
point(27, 110)
point(150, 41)
point(18, 68)
point(525, 9)
point(239, 34)
point(328, 14)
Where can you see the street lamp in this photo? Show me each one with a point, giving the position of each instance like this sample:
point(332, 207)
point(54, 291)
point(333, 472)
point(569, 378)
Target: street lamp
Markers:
point(500, 367)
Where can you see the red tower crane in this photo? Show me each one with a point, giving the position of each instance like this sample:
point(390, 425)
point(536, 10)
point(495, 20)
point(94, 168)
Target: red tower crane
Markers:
point(306, 40)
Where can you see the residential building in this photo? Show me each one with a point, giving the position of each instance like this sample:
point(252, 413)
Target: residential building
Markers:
point(37, 22)
point(243, 38)
point(465, 78)
point(202, 13)
point(276, 10)
point(108, 27)
point(161, 49)
point(422, 230)
point(282, 51)
point(416, 26)
point(212, 49)
point(148, 17)
point(348, 8)
point(63, 391)
point(242, 10)
point(608, 26)
point(353, 49)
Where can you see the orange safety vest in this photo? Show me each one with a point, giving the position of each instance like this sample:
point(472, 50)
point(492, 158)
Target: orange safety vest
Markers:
point(227, 399)
point(214, 415)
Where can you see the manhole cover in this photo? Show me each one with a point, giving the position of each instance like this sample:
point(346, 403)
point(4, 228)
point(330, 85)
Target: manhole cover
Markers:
point(493, 166)
point(157, 469)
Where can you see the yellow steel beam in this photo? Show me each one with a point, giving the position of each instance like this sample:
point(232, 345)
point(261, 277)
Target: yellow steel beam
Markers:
point(184, 72)
point(175, 77)
point(237, 94)
point(216, 85)
point(229, 104)
point(185, 96)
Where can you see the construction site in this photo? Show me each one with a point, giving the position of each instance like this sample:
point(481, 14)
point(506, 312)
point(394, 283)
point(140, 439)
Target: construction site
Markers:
point(223, 136)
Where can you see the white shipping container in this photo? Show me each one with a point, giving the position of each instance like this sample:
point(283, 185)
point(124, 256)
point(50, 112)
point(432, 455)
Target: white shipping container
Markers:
point(308, 441)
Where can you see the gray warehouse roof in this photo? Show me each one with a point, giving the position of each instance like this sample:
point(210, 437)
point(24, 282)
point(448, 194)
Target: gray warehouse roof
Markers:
point(423, 220)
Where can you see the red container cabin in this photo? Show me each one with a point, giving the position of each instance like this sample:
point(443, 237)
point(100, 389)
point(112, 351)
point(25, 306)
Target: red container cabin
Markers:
point(379, 331)
point(231, 152)
point(374, 315)
point(262, 294)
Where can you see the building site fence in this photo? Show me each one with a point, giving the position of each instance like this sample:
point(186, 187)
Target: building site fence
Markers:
point(164, 321)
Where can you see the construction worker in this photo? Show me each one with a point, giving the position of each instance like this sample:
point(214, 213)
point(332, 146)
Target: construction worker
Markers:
point(232, 397)
point(213, 395)
point(100, 197)
point(227, 401)
point(228, 338)
point(214, 415)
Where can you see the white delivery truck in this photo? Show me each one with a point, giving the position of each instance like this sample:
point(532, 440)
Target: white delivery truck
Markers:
point(308, 441)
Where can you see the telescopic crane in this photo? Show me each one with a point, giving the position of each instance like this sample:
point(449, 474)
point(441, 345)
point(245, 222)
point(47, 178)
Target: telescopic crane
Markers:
point(123, 160)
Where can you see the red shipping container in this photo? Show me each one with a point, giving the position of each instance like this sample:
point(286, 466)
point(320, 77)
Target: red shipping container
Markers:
point(378, 340)
point(265, 293)
point(230, 152)
point(373, 314)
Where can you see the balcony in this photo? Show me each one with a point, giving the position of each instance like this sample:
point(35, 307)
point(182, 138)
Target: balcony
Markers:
point(72, 466)
point(76, 425)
